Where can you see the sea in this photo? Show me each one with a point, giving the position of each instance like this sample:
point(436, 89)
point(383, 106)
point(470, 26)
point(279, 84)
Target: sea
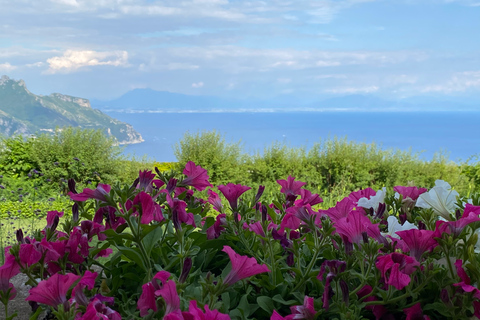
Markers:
point(455, 135)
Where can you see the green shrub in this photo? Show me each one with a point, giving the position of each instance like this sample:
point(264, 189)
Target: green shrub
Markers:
point(208, 149)
point(333, 168)
point(30, 209)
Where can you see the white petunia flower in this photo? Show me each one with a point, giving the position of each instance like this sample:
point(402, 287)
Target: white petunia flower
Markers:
point(441, 199)
point(374, 201)
point(394, 226)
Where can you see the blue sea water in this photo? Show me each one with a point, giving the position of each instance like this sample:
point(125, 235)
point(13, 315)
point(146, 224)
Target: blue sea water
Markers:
point(456, 135)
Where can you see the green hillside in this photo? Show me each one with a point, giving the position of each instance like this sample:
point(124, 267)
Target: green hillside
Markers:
point(22, 112)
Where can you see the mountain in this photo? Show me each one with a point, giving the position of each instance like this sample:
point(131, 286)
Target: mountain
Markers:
point(22, 112)
point(148, 100)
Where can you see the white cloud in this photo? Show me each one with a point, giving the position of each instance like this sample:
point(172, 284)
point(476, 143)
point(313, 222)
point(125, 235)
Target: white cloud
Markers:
point(353, 90)
point(459, 82)
point(73, 60)
point(197, 85)
point(72, 3)
point(6, 67)
point(181, 66)
point(321, 63)
point(35, 64)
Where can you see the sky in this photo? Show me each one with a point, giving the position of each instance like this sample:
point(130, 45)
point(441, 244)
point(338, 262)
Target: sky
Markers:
point(101, 49)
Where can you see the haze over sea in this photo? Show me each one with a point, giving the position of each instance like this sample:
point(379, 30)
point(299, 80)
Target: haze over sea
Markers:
point(454, 134)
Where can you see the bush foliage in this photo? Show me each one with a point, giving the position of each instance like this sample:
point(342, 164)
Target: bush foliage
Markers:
point(336, 166)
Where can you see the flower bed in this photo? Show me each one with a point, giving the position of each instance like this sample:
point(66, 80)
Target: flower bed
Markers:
point(152, 250)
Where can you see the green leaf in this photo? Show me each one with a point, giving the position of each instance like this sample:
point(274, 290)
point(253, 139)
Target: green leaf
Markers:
point(112, 235)
point(132, 255)
point(151, 239)
point(278, 298)
point(266, 303)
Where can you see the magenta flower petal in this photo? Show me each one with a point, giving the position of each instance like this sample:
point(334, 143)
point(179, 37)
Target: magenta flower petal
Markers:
point(53, 291)
point(170, 295)
point(96, 310)
point(341, 209)
point(410, 192)
point(150, 209)
point(364, 193)
point(214, 231)
point(305, 311)
point(29, 254)
point(98, 194)
point(8, 271)
point(396, 269)
point(51, 217)
point(415, 313)
point(147, 300)
point(398, 279)
point(418, 241)
point(215, 200)
point(145, 179)
point(197, 177)
point(354, 225)
point(198, 314)
point(232, 192)
point(306, 197)
point(242, 267)
point(290, 186)
point(257, 228)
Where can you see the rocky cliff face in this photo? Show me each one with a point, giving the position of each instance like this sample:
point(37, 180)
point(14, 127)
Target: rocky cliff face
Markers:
point(22, 112)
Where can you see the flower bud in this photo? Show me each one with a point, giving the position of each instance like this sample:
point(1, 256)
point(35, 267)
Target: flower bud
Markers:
point(171, 185)
point(71, 186)
point(19, 235)
point(75, 212)
point(259, 193)
point(264, 213)
point(187, 266)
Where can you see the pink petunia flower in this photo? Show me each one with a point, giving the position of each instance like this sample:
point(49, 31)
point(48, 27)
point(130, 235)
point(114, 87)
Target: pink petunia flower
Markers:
point(306, 197)
point(277, 316)
point(465, 283)
point(415, 313)
point(396, 269)
point(456, 227)
point(8, 271)
point(146, 181)
point(216, 229)
point(305, 311)
point(96, 310)
point(98, 194)
point(290, 188)
point(215, 200)
point(151, 210)
point(179, 214)
point(53, 291)
point(51, 218)
point(198, 314)
point(169, 293)
point(242, 267)
point(197, 177)
point(364, 193)
point(352, 227)
point(232, 192)
point(410, 192)
point(341, 209)
point(418, 241)
point(147, 299)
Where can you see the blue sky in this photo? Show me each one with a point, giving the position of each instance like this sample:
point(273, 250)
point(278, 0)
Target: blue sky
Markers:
point(263, 49)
